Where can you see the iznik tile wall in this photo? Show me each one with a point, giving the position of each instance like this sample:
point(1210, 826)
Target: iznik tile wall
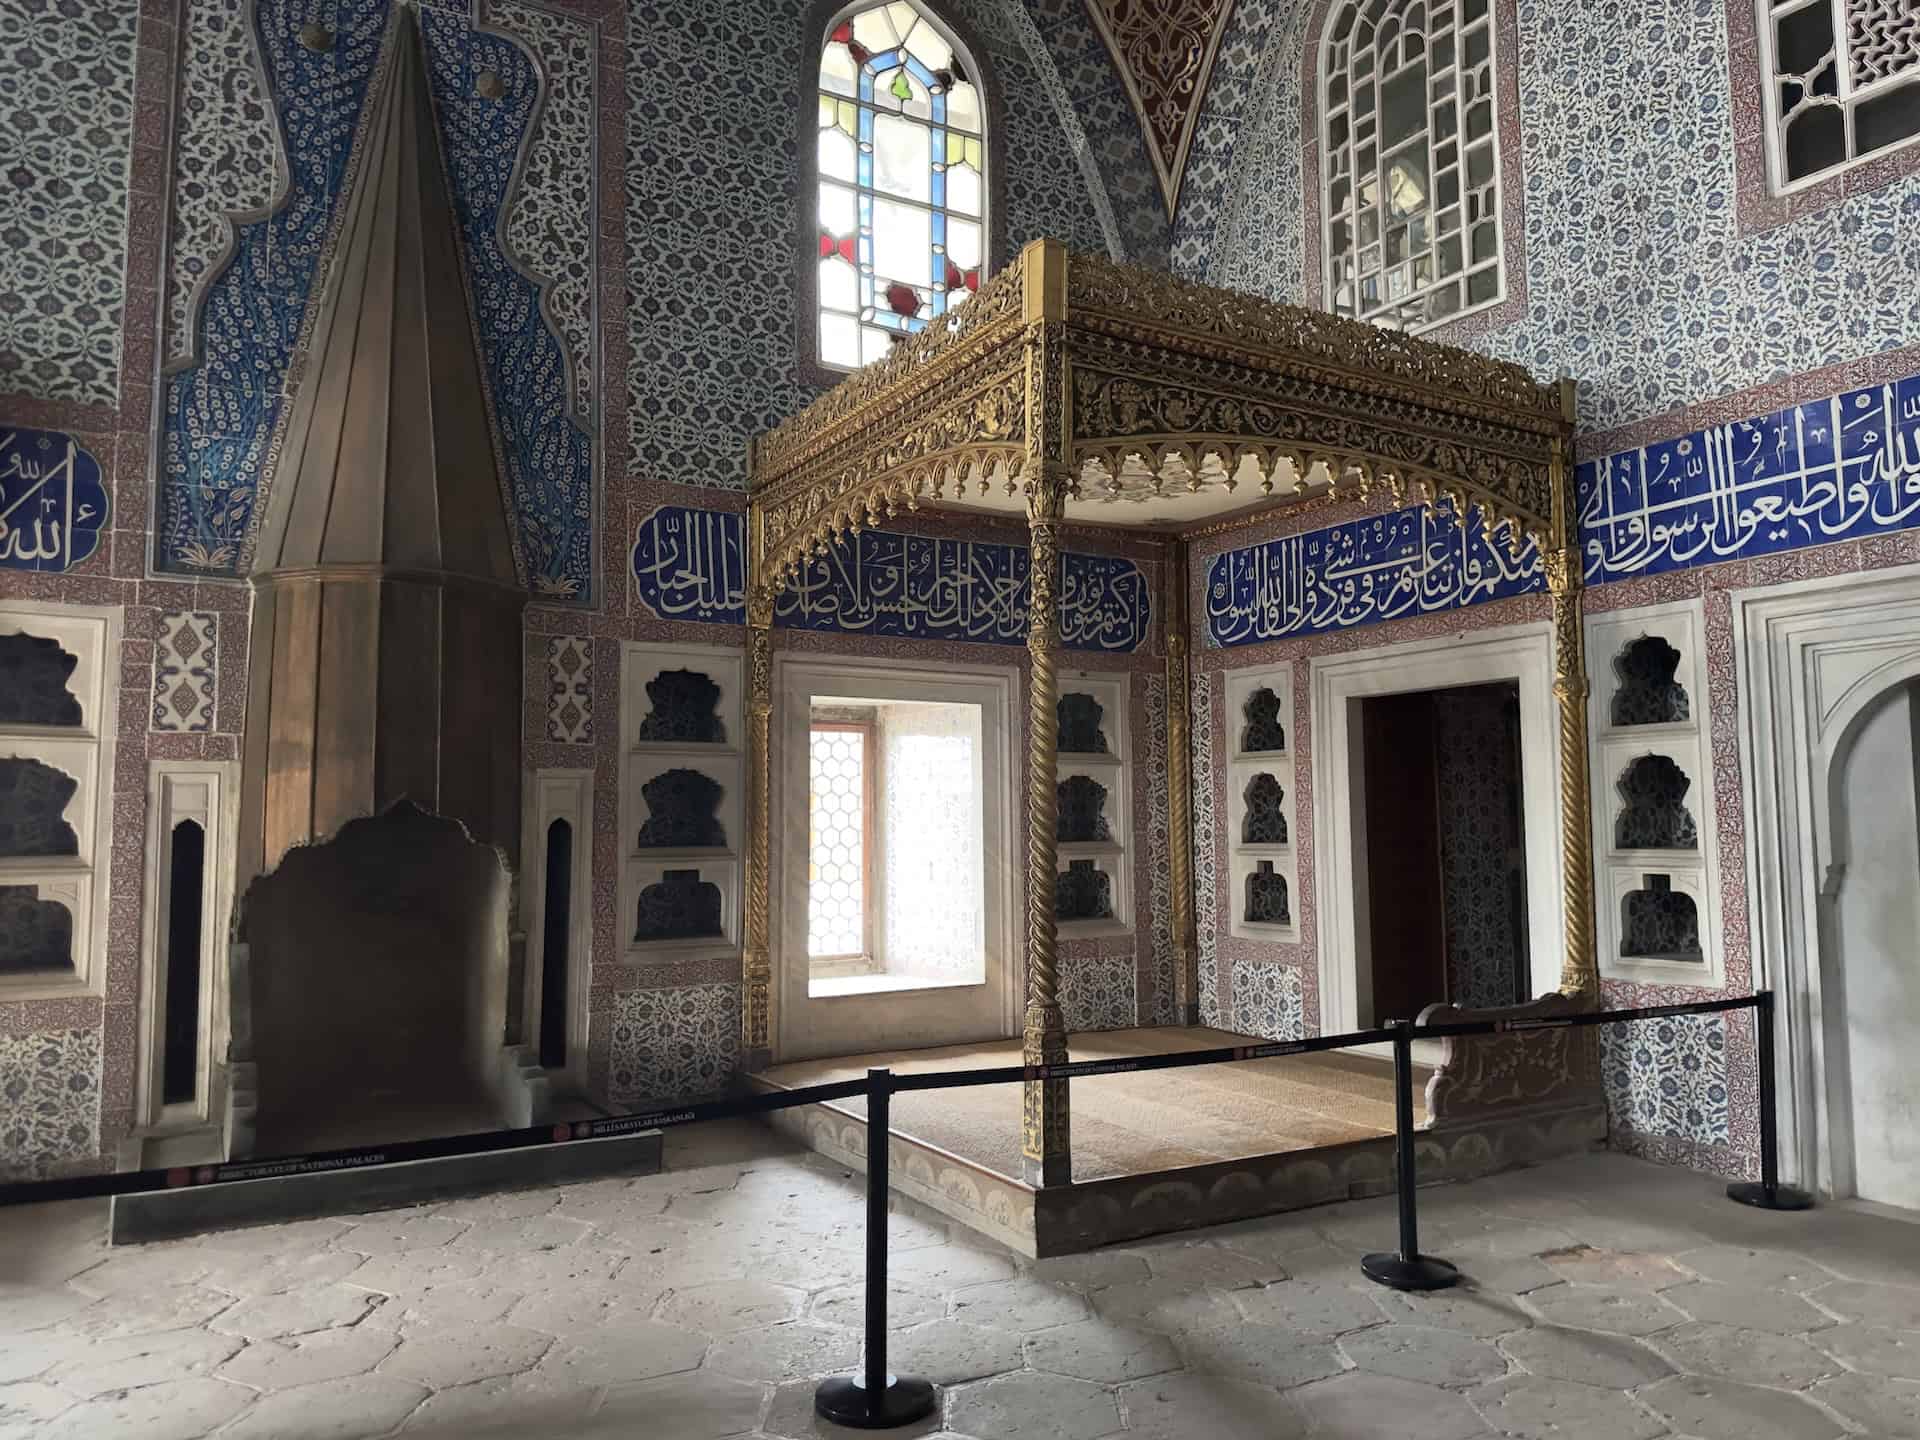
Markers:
point(673, 1044)
point(1099, 993)
point(245, 316)
point(1640, 284)
point(66, 91)
point(712, 219)
point(49, 1102)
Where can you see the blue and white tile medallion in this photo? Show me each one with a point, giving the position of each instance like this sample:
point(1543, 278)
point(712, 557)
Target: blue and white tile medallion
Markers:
point(53, 501)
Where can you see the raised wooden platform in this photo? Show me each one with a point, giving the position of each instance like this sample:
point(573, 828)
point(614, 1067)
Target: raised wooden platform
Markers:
point(1160, 1150)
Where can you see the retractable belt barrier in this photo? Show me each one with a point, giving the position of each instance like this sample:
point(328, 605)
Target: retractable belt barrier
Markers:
point(875, 1399)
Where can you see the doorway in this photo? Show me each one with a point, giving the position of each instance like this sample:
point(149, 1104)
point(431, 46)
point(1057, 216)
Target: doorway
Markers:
point(1870, 947)
point(1445, 851)
point(1518, 661)
point(895, 870)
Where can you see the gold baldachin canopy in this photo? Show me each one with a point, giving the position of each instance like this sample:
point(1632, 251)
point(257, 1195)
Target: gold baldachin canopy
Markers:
point(1168, 387)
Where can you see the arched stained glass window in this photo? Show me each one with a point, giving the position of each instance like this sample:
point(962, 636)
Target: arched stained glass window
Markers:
point(902, 180)
point(1412, 188)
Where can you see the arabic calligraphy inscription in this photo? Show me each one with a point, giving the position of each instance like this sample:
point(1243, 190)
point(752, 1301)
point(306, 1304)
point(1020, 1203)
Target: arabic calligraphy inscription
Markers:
point(690, 564)
point(53, 504)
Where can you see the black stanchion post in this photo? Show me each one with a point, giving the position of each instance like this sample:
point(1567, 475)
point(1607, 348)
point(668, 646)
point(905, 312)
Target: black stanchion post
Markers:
point(1409, 1269)
point(875, 1400)
point(1769, 1194)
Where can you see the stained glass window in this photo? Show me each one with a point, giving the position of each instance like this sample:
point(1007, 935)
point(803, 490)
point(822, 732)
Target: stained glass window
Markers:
point(1411, 179)
point(902, 202)
point(1843, 82)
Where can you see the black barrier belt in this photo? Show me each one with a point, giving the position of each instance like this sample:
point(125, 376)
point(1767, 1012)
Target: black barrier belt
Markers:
point(181, 1177)
point(440, 1147)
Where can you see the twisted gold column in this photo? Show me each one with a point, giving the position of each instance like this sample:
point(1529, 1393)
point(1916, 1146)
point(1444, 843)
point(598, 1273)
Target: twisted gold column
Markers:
point(1044, 1113)
point(1578, 974)
point(756, 969)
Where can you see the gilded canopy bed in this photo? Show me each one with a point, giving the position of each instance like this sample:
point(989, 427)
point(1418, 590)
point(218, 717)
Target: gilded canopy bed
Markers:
point(1072, 386)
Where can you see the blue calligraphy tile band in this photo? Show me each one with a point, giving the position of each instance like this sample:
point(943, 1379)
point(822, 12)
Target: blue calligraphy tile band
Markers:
point(689, 564)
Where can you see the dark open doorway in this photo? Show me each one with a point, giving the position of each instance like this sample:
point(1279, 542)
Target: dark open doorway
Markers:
point(1446, 908)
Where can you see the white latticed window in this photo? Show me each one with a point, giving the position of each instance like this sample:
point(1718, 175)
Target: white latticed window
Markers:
point(902, 202)
point(837, 811)
point(1411, 173)
point(1843, 82)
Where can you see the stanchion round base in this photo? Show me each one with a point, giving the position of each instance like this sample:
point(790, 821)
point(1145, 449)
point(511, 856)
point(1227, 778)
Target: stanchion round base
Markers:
point(1781, 1197)
point(844, 1401)
point(1422, 1273)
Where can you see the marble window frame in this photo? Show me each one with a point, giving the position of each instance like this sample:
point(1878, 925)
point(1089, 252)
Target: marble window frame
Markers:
point(82, 883)
point(1510, 181)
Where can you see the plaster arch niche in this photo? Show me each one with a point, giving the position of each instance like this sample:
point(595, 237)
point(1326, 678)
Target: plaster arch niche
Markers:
point(1869, 938)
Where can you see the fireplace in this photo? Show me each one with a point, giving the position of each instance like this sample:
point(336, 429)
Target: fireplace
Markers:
point(374, 968)
point(381, 769)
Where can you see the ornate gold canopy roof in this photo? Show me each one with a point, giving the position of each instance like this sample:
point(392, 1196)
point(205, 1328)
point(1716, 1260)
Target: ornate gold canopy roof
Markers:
point(1134, 393)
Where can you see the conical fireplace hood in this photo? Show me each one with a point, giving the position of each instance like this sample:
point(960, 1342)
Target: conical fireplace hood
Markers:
point(387, 633)
point(387, 457)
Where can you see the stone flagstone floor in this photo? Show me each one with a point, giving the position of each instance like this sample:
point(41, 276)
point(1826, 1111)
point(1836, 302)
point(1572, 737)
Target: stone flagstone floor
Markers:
point(1610, 1299)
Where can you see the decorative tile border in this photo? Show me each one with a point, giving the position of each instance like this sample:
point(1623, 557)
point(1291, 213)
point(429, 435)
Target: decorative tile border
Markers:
point(1152, 797)
point(689, 564)
point(186, 659)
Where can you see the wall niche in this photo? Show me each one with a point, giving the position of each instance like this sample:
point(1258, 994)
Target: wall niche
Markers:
point(1082, 803)
point(33, 803)
point(1655, 815)
point(1648, 692)
point(1079, 716)
point(1263, 732)
point(685, 710)
point(1659, 922)
point(1083, 892)
point(34, 676)
point(1265, 821)
point(678, 906)
point(1267, 897)
point(680, 812)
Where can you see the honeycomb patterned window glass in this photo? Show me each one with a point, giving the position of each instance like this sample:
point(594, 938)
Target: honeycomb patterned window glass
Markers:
point(837, 841)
